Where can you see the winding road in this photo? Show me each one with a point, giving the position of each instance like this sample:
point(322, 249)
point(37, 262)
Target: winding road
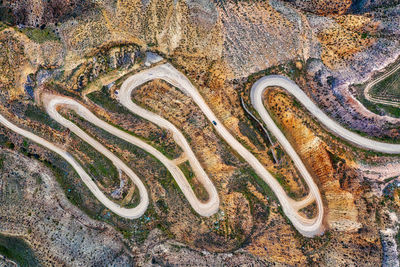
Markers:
point(53, 101)
point(203, 208)
point(281, 81)
point(131, 213)
point(166, 72)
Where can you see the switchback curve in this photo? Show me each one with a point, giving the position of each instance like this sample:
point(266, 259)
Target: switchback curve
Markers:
point(166, 72)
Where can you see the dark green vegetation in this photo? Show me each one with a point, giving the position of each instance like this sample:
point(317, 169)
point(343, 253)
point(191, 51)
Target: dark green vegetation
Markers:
point(102, 166)
point(198, 188)
point(398, 237)
point(239, 184)
point(39, 35)
point(142, 163)
point(18, 250)
point(99, 167)
point(387, 89)
point(147, 168)
point(103, 99)
point(187, 170)
point(6, 16)
point(282, 181)
point(381, 109)
point(247, 131)
point(377, 108)
point(34, 113)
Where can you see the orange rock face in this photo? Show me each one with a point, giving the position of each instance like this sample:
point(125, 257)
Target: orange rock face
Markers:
point(341, 212)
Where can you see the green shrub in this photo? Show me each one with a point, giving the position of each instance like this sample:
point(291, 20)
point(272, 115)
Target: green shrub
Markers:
point(40, 35)
point(17, 250)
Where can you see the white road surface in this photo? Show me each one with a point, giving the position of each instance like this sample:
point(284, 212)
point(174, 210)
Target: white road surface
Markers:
point(203, 208)
point(53, 101)
point(166, 72)
point(128, 213)
point(331, 125)
point(307, 227)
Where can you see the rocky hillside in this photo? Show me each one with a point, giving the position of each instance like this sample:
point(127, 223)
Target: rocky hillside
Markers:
point(86, 49)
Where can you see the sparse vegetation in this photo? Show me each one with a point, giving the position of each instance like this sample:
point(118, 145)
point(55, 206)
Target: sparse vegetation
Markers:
point(258, 183)
point(103, 99)
point(99, 168)
point(310, 211)
point(40, 35)
point(39, 115)
point(215, 48)
point(247, 131)
point(389, 88)
point(376, 108)
point(197, 187)
point(18, 250)
point(2, 25)
point(6, 16)
point(187, 170)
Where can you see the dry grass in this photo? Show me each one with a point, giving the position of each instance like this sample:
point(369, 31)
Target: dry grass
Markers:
point(340, 43)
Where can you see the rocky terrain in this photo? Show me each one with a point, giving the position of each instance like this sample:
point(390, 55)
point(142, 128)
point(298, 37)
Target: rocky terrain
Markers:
point(86, 49)
point(25, 186)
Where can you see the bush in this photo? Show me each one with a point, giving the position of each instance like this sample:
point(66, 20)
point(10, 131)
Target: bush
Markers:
point(40, 35)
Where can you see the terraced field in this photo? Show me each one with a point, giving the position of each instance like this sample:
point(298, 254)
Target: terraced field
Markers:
point(388, 88)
